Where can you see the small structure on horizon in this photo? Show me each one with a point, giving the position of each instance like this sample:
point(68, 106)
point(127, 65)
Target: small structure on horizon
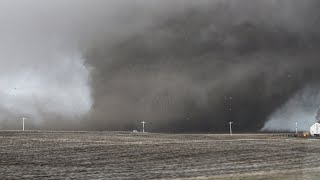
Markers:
point(315, 129)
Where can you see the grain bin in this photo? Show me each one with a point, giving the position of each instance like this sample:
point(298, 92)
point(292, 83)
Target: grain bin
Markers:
point(315, 129)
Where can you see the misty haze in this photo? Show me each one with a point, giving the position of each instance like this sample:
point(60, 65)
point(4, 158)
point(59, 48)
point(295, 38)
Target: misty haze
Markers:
point(181, 66)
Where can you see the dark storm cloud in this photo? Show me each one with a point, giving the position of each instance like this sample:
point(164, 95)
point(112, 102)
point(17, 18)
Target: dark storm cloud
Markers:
point(180, 65)
point(195, 67)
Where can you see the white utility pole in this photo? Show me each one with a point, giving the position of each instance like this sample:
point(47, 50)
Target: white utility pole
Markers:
point(23, 123)
point(296, 127)
point(230, 124)
point(143, 125)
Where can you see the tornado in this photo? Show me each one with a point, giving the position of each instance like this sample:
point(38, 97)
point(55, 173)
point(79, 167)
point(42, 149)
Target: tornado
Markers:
point(193, 67)
point(180, 66)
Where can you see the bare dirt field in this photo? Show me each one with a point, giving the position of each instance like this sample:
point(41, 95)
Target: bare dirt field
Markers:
point(121, 155)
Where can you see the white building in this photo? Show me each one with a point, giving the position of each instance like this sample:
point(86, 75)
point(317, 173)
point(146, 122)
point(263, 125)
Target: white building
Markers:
point(315, 129)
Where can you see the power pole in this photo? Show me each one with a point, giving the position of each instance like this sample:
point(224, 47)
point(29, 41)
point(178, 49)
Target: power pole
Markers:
point(143, 126)
point(23, 123)
point(230, 125)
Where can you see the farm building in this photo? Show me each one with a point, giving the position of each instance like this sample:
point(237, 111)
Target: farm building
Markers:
point(315, 129)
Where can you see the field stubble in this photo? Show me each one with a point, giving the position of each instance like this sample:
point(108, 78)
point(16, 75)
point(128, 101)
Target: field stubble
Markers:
point(121, 155)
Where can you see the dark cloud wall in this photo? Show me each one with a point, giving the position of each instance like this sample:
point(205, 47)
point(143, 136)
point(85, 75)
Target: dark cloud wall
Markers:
point(182, 65)
point(196, 66)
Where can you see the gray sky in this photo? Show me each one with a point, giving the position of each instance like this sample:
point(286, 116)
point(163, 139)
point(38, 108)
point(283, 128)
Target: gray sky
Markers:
point(61, 57)
point(42, 42)
point(41, 68)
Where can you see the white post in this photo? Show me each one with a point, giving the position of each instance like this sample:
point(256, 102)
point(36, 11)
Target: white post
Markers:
point(23, 123)
point(143, 125)
point(296, 127)
point(230, 124)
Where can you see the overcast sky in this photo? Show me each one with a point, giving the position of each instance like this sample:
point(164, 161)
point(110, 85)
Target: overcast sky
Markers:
point(61, 57)
point(41, 61)
point(41, 68)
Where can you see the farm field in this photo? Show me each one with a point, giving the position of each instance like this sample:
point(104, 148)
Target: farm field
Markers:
point(123, 155)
